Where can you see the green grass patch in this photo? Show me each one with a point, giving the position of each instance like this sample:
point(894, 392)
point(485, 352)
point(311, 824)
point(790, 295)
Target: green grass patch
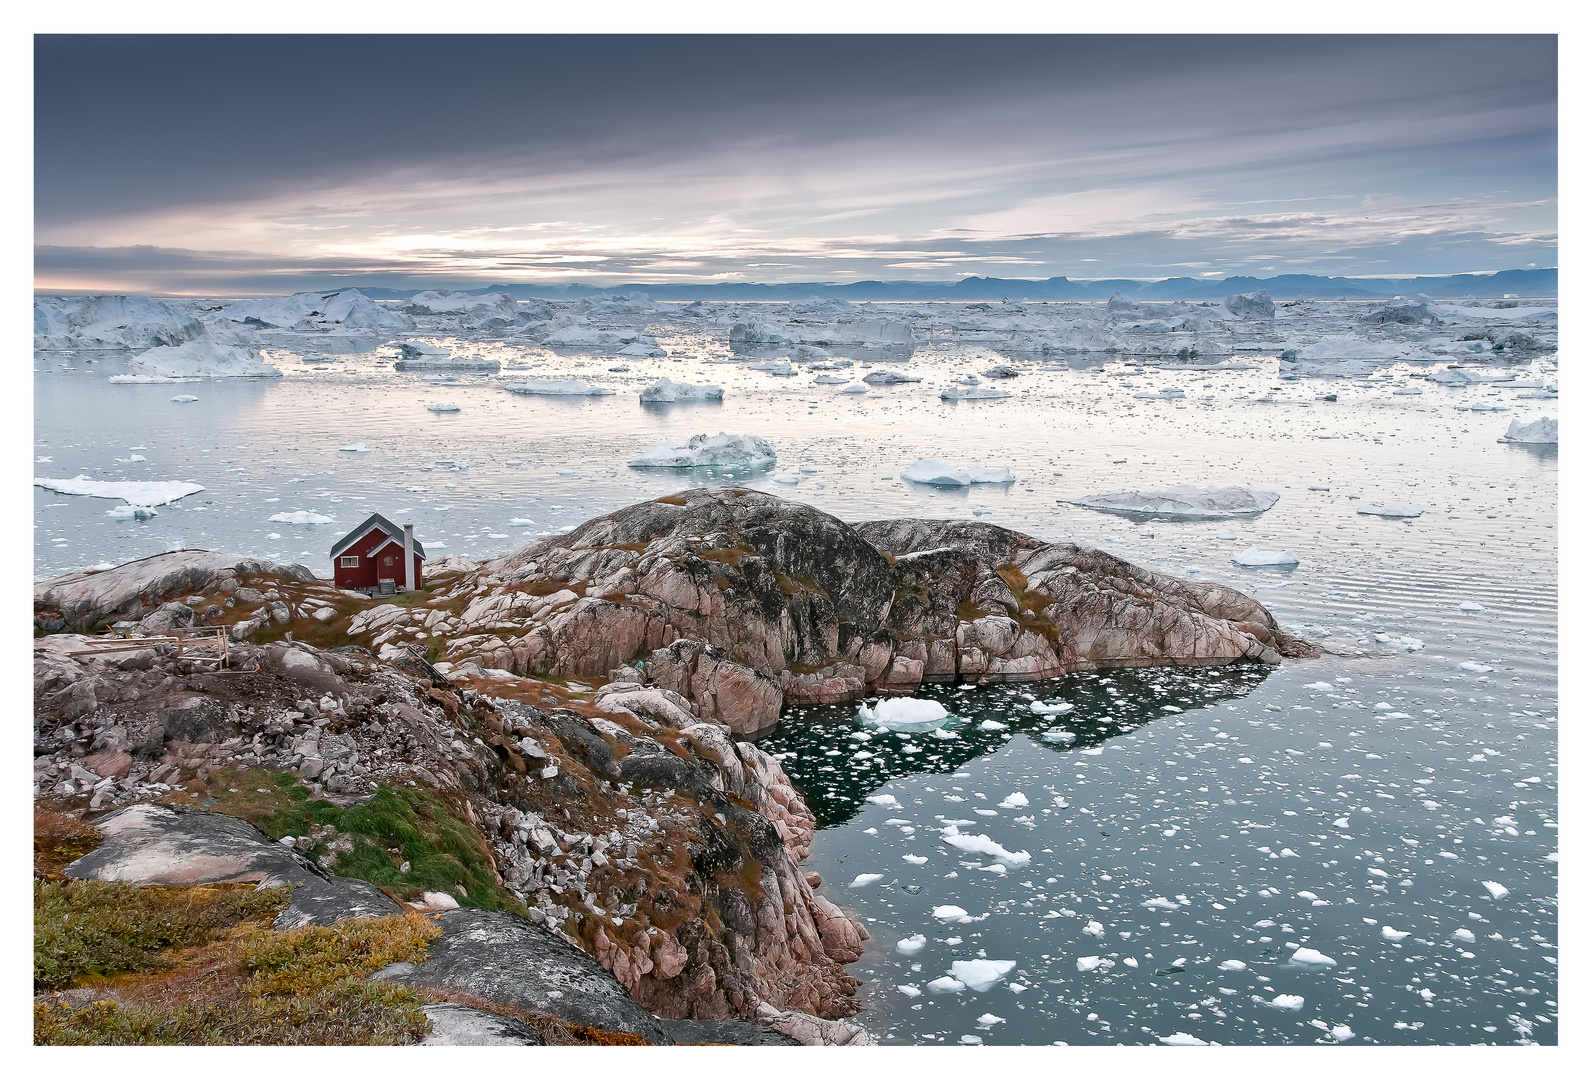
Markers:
point(395, 826)
point(110, 928)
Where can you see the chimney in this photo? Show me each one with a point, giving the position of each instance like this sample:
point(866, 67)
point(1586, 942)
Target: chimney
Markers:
point(409, 558)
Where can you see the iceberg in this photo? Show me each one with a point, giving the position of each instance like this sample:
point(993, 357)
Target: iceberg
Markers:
point(720, 451)
point(972, 393)
point(1253, 305)
point(135, 493)
point(1166, 393)
point(418, 356)
point(1254, 556)
point(110, 322)
point(444, 302)
point(939, 474)
point(665, 390)
point(888, 378)
point(1451, 376)
point(201, 358)
point(773, 367)
point(1184, 501)
point(1002, 371)
point(444, 407)
point(1544, 430)
point(565, 388)
point(348, 308)
point(854, 388)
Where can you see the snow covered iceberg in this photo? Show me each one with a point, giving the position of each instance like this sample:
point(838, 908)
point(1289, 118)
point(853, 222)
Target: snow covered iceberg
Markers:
point(202, 358)
point(1544, 430)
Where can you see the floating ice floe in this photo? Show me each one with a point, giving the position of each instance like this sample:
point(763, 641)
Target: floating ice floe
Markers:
point(972, 393)
point(854, 388)
point(773, 367)
point(1287, 1002)
point(301, 517)
point(1312, 958)
point(135, 513)
point(1044, 708)
point(1184, 501)
point(946, 984)
point(980, 975)
point(865, 879)
point(1454, 377)
point(202, 358)
point(939, 474)
point(720, 451)
point(1095, 963)
point(1254, 556)
point(1166, 393)
point(184, 398)
point(904, 713)
point(888, 378)
point(884, 799)
point(983, 845)
point(1232, 965)
point(951, 913)
point(667, 390)
point(134, 492)
point(1498, 891)
point(562, 388)
point(1015, 801)
point(1002, 371)
point(1391, 510)
point(786, 478)
point(914, 943)
point(355, 448)
point(1180, 1038)
point(444, 407)
point(1544, 430)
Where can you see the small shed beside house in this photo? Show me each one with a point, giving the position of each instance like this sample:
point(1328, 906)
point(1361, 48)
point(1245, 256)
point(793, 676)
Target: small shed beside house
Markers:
point(378, 558)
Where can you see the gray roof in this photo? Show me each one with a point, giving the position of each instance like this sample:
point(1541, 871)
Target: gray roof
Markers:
point(374, 521)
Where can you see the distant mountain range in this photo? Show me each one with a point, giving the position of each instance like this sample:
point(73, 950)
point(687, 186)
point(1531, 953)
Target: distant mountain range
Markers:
point(1284, 287)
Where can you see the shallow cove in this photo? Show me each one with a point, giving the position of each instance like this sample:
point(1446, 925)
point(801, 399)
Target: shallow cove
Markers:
point(1185, 840)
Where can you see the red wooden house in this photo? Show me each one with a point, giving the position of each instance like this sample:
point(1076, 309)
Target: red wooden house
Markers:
point(378, 557)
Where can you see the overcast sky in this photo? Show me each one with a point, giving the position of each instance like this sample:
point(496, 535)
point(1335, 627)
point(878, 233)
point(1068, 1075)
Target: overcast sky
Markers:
point(262, 164)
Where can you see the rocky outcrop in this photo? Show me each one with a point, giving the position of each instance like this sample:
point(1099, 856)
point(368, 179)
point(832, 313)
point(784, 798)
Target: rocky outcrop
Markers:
point(147, 844)
point(500, 958)
point(453, 1024)
point(627, 825)
point(90, 598)
point(741, 602)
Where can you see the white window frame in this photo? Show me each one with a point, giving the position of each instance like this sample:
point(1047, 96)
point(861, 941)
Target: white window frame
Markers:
point(350, 560)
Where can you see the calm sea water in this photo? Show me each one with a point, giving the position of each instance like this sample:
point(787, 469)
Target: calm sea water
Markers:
point(1222, 817)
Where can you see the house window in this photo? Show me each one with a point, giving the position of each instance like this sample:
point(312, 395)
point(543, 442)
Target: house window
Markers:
point(350, 560)
point(387, 561)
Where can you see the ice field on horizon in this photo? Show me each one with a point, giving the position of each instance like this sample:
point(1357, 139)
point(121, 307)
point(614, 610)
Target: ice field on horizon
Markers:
point(1193, 836)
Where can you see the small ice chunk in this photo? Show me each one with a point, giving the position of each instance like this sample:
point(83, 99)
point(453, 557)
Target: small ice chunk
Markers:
point(914, 943)
point(185, 398)
point(1470, 605)
point(1391, 934)
point(989, 1020)
point(1471, 665)
point(1181, 1038)
point(301, 517)
point(562, 388)
point(909, 990)
point(786, 478)
point(1094, 963)
point(1013, 801)
point(915, 860)
point(888, 378)
point(951, 913)
point(355, 448)
point(1341, 1032)
point(884, 799)
point(1287, 1002)
point(1095, 929)
point(972, 393)
point(1391, 510)
point(947, 985)
point(993, 725)
point(1497, 890)
point(444, 407)
point(1232, 965)
point(865, 879)
point(983, 845)
point(1465, 935)
point(1254, 556)
point(938, 474)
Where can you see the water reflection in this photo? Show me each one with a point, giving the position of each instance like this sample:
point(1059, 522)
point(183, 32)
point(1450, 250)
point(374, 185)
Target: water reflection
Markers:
point(836, 783)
